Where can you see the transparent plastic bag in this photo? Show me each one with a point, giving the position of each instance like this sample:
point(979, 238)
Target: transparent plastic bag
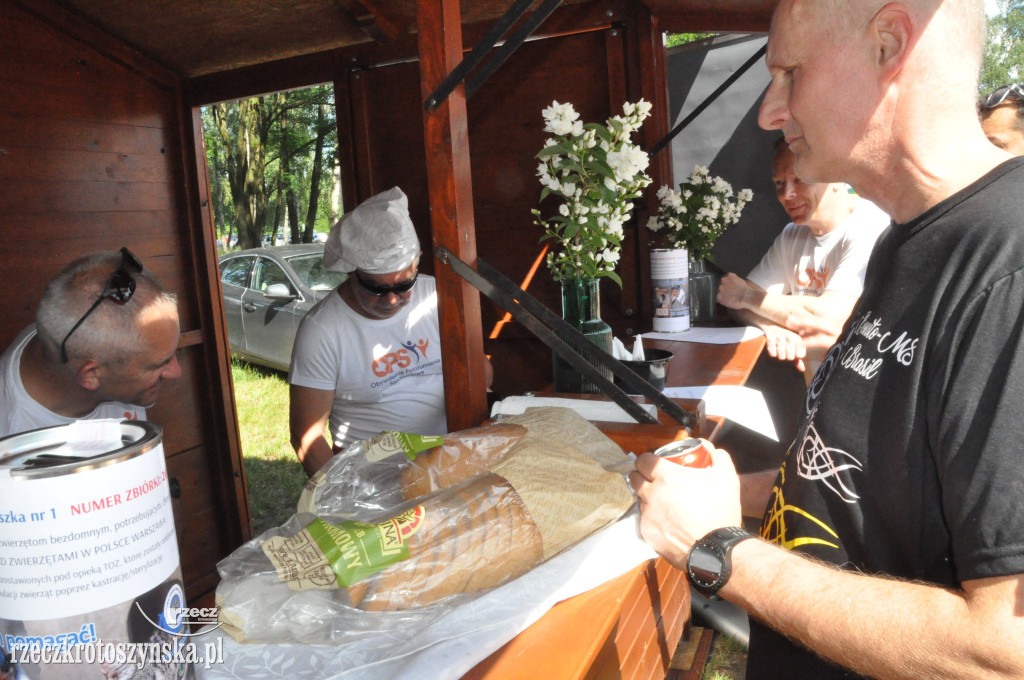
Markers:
point(378, 556)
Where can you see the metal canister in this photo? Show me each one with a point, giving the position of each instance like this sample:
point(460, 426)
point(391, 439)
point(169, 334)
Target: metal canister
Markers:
point(88, 551)
point(689, 452)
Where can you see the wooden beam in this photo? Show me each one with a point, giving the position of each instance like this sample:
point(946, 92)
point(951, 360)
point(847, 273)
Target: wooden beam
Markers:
point(381, 24)
point(446, 137)
point(650, 81)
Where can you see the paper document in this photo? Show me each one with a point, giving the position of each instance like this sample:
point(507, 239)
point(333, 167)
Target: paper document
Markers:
point(715, 336)
point(739, 404)
point(588, 408)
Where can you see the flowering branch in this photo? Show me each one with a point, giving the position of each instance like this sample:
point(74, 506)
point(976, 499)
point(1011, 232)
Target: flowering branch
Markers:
point(598, 172)
point(699, 212)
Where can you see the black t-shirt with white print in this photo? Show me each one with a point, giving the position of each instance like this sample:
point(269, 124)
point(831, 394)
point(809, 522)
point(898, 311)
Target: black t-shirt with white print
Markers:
point(909, 458)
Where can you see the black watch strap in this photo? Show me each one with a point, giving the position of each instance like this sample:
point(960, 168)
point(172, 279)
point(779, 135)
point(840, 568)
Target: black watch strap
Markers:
point(709, 563)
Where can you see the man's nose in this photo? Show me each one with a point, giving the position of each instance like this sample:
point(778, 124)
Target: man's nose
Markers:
point(172, 370)
point(773, 113)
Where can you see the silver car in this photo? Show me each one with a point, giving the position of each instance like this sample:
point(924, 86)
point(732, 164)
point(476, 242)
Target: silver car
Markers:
point(267, 291)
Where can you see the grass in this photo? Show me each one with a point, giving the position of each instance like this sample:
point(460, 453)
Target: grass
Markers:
point(272, 470)
point(727, 660)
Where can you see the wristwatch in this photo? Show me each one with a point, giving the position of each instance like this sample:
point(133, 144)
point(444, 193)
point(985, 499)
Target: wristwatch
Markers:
point(708, 565)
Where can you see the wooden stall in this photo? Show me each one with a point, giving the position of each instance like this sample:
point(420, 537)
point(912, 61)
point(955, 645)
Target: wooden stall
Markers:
point(101, 146)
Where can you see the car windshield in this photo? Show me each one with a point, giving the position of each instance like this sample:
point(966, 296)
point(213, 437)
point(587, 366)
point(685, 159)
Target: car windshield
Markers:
point(310, 269)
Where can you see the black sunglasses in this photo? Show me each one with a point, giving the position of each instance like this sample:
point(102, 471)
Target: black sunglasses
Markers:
point(380, 290)
point(1013, 91)
point(120, 290)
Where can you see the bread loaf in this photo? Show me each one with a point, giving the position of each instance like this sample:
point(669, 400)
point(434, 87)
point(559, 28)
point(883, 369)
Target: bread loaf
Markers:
point(570, 429)
point(476, 536)
point(462, 456)
point(540, 499)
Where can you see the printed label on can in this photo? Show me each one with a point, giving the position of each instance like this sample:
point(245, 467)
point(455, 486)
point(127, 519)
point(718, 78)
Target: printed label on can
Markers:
point(75, 543)
point(89, 566)
point(670, 280)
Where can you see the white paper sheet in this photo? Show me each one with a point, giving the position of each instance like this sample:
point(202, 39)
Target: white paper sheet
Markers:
point(452, 645)
point(588, 408)
point(741, 405)
point(714, 336)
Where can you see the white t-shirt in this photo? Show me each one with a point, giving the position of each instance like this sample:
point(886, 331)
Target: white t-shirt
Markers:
point(385, 373)
point(800, 263)
point(19, 412)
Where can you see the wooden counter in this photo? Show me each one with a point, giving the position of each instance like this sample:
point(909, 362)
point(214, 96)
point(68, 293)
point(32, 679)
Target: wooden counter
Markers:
point(630, 626)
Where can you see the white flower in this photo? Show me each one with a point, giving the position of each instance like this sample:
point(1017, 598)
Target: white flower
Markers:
point(594, 205)
point(559, 118)
point(628, 162)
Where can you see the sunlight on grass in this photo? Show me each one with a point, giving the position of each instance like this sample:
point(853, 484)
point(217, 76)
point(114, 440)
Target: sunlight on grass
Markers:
point(727, 661)
point(272, 470)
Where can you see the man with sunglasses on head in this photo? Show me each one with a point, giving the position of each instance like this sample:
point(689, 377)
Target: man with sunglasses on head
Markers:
point(368, 358)
point(1002, 118)
point(104, 341)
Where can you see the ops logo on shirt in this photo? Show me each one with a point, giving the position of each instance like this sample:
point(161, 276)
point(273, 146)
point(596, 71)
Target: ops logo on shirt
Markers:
point(400, 359)
point(810, 278)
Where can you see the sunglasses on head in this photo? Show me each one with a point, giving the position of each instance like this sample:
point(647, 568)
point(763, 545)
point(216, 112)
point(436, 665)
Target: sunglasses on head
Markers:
point(119, 290)
point(380, 290)
point(1013, 91)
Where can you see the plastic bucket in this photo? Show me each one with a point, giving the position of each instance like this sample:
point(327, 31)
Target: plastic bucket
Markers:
point(653, 369)
point(88, 551)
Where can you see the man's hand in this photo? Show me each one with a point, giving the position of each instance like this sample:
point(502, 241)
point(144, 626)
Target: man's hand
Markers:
point(815, 331)
point(679, 505)
point(731, 291)
point(785, 345)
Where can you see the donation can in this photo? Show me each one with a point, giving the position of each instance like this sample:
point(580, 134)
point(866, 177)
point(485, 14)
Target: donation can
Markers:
point(670, 272)
point(90, 578)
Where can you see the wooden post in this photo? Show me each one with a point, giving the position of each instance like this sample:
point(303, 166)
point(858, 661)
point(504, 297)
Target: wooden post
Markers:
point(446, 136)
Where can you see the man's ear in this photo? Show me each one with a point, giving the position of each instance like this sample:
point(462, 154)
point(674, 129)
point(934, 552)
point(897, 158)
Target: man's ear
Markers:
point(894, 28)
point(88, 375)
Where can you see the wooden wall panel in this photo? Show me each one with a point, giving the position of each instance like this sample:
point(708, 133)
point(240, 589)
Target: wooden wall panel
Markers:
point(197, 516)
point(92, 158)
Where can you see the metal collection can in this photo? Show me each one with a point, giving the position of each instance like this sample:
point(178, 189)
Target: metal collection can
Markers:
point(88, 551)
point(689, 452)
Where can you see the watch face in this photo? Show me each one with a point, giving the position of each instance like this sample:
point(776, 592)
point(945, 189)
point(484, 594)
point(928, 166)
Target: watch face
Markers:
point(705, 566)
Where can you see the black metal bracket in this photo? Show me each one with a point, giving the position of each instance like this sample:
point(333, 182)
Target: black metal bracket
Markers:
point(561, 337)
point(709, 100)
point(462, 72)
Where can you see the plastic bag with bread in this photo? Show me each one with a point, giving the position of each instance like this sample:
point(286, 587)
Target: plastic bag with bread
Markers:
point(492, 503)
point(481, 533)
point(355, 481)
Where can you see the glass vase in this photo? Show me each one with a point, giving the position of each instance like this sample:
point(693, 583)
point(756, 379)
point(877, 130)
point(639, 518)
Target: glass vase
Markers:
point(702, 293)
point(581, 308)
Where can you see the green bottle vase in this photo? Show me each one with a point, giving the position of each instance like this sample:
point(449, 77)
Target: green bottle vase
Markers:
point(581, 308)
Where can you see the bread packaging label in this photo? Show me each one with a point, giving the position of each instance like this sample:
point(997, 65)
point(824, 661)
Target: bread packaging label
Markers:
point(389, 443)
point(327, 555)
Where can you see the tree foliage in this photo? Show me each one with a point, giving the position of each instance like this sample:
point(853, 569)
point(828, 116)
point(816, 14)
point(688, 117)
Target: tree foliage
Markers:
point(270, 162)
point(1004, 53)
point(675, 39)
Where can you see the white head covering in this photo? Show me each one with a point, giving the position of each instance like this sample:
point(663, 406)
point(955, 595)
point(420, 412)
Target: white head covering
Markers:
point(377, 237)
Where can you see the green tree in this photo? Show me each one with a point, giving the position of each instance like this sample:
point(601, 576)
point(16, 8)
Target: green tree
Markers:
point(271, 153)
point(675, 39)
point(1004, 53)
